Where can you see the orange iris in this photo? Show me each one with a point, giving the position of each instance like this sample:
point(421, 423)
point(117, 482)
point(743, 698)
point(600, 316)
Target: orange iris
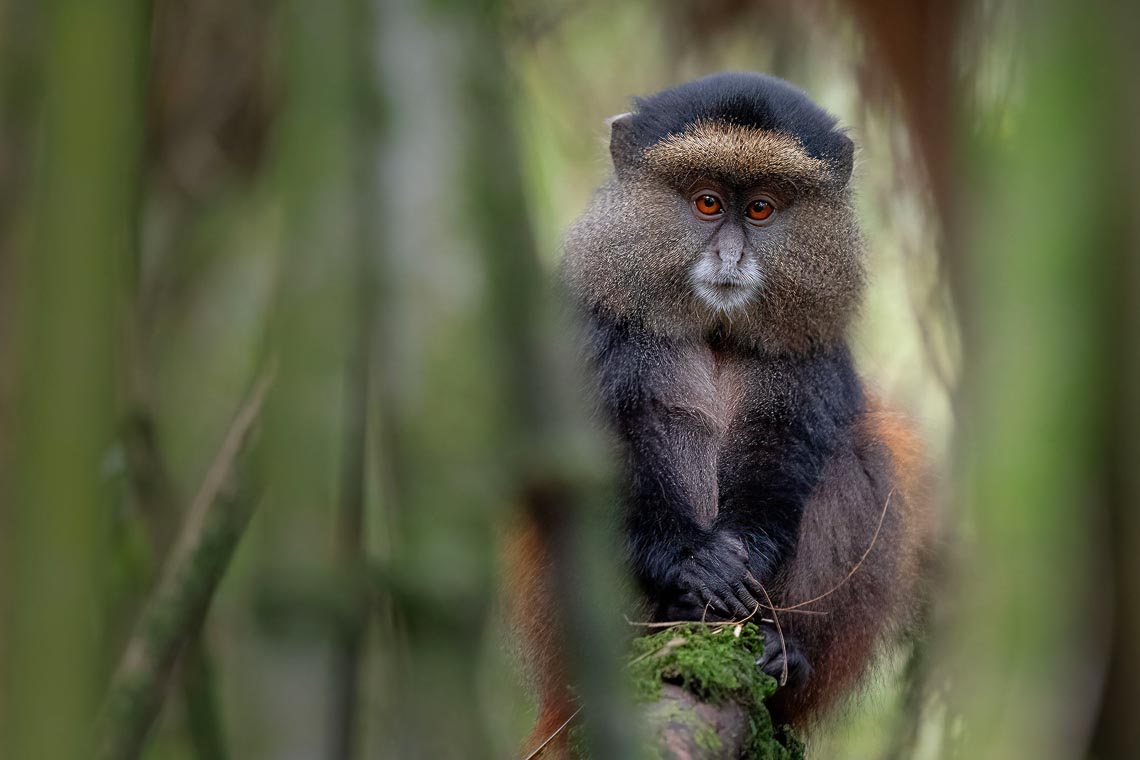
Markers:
point(759, 210)
point(708, 205)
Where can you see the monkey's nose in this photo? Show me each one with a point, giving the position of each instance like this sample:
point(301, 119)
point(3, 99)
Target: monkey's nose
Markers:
point(730, 245)
point(730, 255)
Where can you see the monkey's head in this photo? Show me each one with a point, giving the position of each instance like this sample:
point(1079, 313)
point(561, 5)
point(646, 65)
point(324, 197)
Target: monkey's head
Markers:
point(729, 211)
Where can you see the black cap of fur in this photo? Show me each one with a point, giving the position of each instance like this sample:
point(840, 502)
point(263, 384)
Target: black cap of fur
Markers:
point(744, 99)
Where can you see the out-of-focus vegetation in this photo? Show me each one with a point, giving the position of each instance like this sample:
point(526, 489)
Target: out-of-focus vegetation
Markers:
point(357, 205)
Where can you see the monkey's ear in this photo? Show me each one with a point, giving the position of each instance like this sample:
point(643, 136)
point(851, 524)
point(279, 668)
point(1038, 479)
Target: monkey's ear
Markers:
point(623, 146)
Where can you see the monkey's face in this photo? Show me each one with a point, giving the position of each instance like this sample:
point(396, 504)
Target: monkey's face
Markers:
point(729, 213)
point(723, 227)
point(728, 224)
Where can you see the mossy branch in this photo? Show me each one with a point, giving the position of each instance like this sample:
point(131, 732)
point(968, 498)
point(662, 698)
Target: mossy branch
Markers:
point(703, 695)
point(706, 693)
point(173, 615)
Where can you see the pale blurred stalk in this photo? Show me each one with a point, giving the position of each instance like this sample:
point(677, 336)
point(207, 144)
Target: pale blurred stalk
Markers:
point(312, 337)
point(476, 420)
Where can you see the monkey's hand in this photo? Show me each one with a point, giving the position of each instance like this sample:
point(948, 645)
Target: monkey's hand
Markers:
point(783, 659)
point(713, 583)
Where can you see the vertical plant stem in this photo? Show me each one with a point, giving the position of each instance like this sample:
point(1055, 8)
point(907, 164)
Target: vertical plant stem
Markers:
point(350, 529)
point(72, 264)
point(316, 424)
point(539, 423)
point(1037, 337)
point(1117, 732)
point(442, 432)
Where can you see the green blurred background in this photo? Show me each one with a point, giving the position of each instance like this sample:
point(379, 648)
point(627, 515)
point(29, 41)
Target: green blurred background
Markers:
point(357, 205)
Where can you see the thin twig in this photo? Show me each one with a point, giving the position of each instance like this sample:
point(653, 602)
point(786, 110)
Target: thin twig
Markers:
point(853, 570)
point(538, 750)
point(668, 646)
point(219, 471)
point(673, 623)
point(795, 608)
point(779, 632)
point(748, 617)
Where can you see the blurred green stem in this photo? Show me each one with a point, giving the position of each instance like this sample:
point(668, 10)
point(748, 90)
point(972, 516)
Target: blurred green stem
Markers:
point(75, 251)
point(213, 525)
point(540, 420)
point(1117, 732)
point(350, 529)
point(199, 691)
point(157, 497)
point(1035, 294)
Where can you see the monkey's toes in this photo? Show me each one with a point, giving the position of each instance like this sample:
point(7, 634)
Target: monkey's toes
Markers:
point(784, 661)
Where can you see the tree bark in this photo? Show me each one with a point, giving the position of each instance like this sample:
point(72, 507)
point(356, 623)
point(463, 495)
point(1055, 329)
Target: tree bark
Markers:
point(685, 728)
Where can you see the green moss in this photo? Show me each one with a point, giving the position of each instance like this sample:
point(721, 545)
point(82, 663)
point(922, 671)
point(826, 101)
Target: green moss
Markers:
point(718, 664)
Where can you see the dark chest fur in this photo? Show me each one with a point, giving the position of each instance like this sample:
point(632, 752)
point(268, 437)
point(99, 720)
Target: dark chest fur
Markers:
point(738, 431)
point(771, 424)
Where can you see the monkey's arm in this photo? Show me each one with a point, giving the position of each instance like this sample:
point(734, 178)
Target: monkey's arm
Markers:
point(797, 415)
point(686, 569)
point(765, 486)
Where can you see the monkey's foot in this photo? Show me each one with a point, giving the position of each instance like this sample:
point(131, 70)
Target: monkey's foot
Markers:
point(783, 659)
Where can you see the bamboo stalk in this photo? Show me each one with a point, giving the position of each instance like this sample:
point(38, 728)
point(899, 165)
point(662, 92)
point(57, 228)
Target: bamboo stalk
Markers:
point(73, 251)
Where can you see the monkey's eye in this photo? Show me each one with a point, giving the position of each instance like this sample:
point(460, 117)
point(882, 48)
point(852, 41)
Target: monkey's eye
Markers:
point(708, 205)
point(759, 210)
